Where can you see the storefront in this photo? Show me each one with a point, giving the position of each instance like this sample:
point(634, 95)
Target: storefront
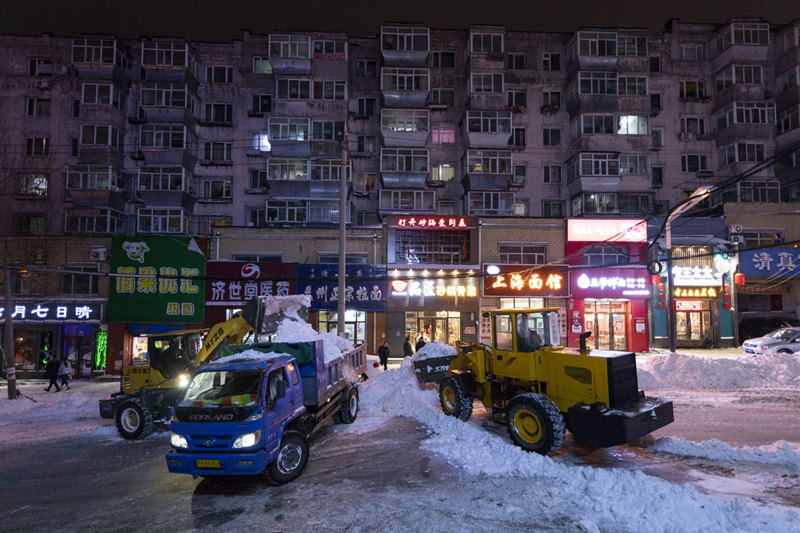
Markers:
point(611, 302)
point(67, 330)
point(524, 287)
point(230, 284)
point(157, 285)
point(365, 300)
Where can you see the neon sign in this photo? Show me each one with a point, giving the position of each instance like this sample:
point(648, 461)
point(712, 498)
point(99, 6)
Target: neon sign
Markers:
point(433, 222)
point(82, 312)
point(695, 276)
point(601, 230)
point(695, 292)
point(610, 282)
point(689, 305)
point(430, 288)
point(525, 281)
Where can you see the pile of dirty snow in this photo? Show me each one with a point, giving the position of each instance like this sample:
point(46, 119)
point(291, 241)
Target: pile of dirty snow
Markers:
point(434, 349)
point(300, 331)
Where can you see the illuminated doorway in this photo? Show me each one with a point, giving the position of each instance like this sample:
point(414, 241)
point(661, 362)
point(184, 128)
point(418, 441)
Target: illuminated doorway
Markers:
point(608, 322)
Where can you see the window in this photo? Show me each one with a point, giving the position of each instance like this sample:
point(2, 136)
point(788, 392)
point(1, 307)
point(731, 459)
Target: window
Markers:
point(486, 43)
point(166, 54)
point(444, 59)
point(101, 94)
point(658, 177)
point(367, 144)
point(551, 137)
point(366, 107)
point(262, 103)
point(37, 146)
point(162, 220)
point(302, 211)
point(409, 120)
point(597, 82)
point(487, 83)
point(788, 120)
point(691, 52)
point(219, 114)
point(34, 185)
point(219, 74)
point(75, 283)
point(163, 136)
point(367, 67)
point(365, 181)
point(326, 130)
point(597, 43)
point(218, 188)
point(295, 89)
point(516, 61)
point(442, 173)
point(30, 224)
point(165, 179)
point(633, 85)
point(744, 113)
point(741, 152)
point(597, 124)
point(404, 79)
point(517, 137)
point(481, 203)
point(444, 96)
point(262, 65)
point(443, 135)
point(163, 94)
point(330, 50)
point(330, 90)
point(632, 125)
point(552, 174)
point(693, 163)
point(94, 177)
point(517, 98)
point(288, 129)
point(258, 180)
point(551, 99)
point(400, 200)
point(655, 64)
point(746, 33)
point(602, 254)
point(37, 107)
point(633, 164)
point(551, 61)
point(489, 121)
point(287, 169)
point(553, 209)
point(787, 80)
point(219, 152)
point(95, 51)
point(522, 253)
point(404, 160)
point(101, 136)
point(632, 46)
point(40, 66)
point(404, 38)
point(694, 125)
point(592, 164)
point(489, 162)
point(95, 220)
point(657, 138)
point(290, 46)
point(691, 89)
point(327, 170)
point(520, 176)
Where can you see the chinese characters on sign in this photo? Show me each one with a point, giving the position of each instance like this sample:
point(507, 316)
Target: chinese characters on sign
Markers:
point(782, 262)
point(54, 311)
point(432, 222)
point(526, 281)
point(429, 288)
point(601, 230)
point(365, 286)
point(695, 276)
point(610, 283)
point(695, 292)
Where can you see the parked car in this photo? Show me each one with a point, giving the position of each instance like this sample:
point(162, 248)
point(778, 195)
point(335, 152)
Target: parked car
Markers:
point(752, 327)
point(374, 366)
point(784, 340)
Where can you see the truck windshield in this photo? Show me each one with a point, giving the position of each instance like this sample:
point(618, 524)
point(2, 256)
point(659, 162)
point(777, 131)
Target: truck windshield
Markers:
point(225, 388)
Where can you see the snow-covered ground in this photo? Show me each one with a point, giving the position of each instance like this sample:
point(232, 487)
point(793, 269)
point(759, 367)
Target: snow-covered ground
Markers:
point(608, 499)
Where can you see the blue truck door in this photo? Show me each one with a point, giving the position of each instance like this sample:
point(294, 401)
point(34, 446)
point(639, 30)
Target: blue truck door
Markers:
point(277, 407)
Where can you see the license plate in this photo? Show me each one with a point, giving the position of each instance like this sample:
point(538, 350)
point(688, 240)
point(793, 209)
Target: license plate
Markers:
point(208, 463)
point(748, 350)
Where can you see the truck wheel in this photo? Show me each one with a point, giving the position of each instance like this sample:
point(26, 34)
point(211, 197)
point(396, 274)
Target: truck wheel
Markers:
point(349, 410)
point(291, 460)
point(455, 402)
point(535, 424)
point(134, 420)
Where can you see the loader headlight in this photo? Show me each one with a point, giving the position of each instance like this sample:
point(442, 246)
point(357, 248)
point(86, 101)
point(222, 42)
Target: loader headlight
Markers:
point(183, 381)
point(178, 441)
point(248, 440)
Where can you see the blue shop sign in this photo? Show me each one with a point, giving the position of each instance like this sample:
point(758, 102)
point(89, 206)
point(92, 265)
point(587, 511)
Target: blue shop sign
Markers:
point(780, 262)
point(365, 286)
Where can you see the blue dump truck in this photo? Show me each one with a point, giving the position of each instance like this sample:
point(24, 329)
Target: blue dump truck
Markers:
point(252, 411)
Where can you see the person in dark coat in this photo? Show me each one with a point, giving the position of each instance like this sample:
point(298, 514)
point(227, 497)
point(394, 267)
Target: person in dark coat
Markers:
point(420, 343)
point(63, 373)
point(407, 351)
point(51, 373)
point(383, 354)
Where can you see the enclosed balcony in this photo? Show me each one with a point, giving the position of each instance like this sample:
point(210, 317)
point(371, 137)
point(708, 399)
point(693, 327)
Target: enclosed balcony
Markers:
point(405, 87)
point(404, 167)
point(489, 129)
point(405, 127)
point(405, 46)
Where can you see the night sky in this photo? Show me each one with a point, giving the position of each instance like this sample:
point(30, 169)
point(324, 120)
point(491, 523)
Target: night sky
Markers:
point(223, 21)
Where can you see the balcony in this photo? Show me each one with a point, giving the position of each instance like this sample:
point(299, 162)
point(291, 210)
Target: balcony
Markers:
point(398, 98)
point(405, 58)
point(595, 103)
point(175, 115)
point(594, 184)
point(403, 180)
point(286, 65)
point(486, 182)
point(417, 139)
point(303, 189)
point(740, 53)
point(100, 155)
point(178, 74)
point(489, 140)
point(291, 148)
point(165, 156)
point(180, 199)
point(97, 198)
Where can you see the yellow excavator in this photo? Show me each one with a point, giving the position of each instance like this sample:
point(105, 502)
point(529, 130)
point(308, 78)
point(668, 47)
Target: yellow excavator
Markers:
point(147, 392)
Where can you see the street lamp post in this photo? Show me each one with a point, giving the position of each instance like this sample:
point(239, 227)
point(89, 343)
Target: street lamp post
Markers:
point(340, 323)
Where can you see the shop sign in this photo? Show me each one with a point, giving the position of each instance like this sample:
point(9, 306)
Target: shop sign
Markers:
point(365, 286)
point(610, 283)
point(606, 230)
point(779, 262)
point(695, 276)
point(688, 305)
point(523, 281)
point(432, 287)
point(156, 279)
point(695, 292)
point(236, 282)
point(432, 222)
point(41, 311)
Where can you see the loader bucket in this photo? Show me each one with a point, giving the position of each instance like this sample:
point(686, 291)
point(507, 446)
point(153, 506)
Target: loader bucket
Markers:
point(265, 314)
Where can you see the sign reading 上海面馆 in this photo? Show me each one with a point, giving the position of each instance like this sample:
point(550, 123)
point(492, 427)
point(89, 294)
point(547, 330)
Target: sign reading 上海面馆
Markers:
point(156, 279)
point(779, 262)
point(526, 281)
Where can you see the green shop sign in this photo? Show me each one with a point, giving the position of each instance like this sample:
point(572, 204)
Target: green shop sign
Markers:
point(156, 279)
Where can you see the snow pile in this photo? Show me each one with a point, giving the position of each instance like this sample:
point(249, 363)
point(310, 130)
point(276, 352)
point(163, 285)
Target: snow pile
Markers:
point(609, 500)
point(434, 349)
point(678, 370)
point(778, 453)
point(300, 331)
point(254, 355)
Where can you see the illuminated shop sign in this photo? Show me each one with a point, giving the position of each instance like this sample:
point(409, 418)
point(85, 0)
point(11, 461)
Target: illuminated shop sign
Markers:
point(430, 288)
point(235, 282)
point(695, 276)
point(689, 305)
point(780, 262)
point(695, 292)
point(606, 230)
point(525, 281)
point(432, 222)
point(365, 286)
point(610, 283)
point(79, 312)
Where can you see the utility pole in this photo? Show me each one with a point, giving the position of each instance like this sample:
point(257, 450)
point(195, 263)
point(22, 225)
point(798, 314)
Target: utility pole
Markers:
point(8, 345)
point(342, 246)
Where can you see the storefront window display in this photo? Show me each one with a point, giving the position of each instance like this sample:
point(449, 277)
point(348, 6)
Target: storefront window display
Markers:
point(355, 324)
point(442, 326)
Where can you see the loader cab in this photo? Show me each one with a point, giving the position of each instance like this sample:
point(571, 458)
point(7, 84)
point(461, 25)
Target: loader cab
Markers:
point(525, 330)
point(175, 352)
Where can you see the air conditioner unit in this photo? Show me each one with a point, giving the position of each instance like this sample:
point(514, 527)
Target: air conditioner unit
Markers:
point(686, 136)
point(43, 84)
point(734, 228)
point(737, 239)
point(98, 254)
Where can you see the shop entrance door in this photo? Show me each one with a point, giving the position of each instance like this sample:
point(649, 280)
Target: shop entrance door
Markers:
point(440, 326)
point(607, 320)
point(693, 323)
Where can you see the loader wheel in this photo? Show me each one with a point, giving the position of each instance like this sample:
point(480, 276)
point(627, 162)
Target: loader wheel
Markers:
point(349, 410)
point(454, 400)
point(291, 460)
point(134, 420)
point(535, 424)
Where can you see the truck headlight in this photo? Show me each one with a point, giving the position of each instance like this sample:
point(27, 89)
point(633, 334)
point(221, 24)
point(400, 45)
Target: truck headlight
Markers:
point(178, 441)
point(248, 440)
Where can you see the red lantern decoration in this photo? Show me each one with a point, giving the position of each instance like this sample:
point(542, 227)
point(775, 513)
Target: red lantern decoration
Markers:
point(661, 286)
point(655, 278)
point(738, 279)
point(661, 305)
point(727, 306)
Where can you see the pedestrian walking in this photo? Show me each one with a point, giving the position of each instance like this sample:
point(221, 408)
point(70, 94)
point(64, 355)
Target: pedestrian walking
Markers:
point(383, 354)
point(63, 373)
point(51, 373)
point(420, 342)
point(407, 350)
